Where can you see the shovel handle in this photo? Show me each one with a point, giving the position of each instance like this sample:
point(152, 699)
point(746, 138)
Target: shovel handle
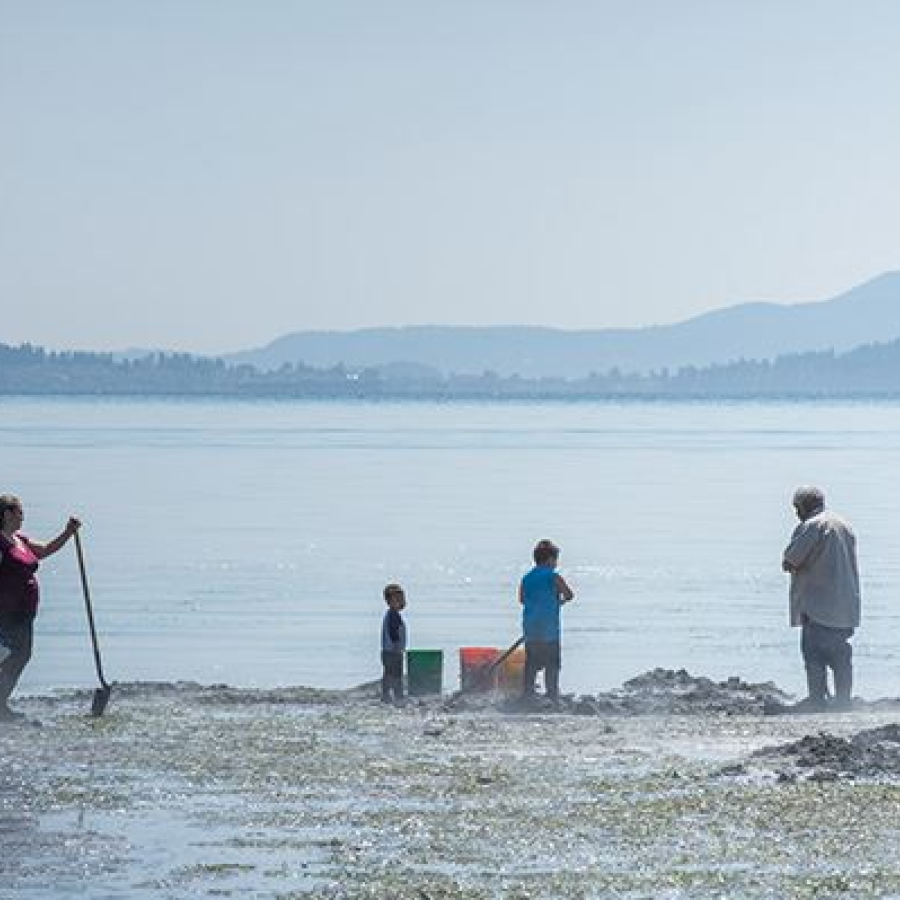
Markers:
point(486, 671)
point(89, 610)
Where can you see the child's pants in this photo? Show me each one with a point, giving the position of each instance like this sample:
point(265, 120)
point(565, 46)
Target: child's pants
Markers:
point(392, 679)
point(544, 655)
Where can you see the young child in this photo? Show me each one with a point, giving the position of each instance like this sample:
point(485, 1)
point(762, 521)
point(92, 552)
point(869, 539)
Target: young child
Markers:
point(542, 594)
point(393, 644)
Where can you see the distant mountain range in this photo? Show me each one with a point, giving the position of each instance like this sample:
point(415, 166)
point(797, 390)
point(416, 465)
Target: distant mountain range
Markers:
point(866, 314)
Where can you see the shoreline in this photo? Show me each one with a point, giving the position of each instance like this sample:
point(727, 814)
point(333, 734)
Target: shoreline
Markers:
point(657, 691)
point(183, 790)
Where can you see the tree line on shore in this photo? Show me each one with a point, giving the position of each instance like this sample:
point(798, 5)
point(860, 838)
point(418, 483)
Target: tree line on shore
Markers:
point(869, 371)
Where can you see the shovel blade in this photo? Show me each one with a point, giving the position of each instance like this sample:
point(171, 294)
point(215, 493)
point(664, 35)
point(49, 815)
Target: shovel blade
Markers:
point(100, 701)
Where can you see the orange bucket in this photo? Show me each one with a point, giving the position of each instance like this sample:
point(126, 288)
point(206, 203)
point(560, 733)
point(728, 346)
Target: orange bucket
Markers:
point(472, 662)
point(511, 672)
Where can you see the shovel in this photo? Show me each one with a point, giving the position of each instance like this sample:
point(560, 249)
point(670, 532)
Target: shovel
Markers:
point(101, 695)
point(485, 672)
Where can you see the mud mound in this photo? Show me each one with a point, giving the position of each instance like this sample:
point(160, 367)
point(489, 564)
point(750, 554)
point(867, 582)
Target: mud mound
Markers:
point(872, 753)
point(658, 692)
point(669, 691)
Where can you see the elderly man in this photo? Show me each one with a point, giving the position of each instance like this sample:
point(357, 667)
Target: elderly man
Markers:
point(825, 598)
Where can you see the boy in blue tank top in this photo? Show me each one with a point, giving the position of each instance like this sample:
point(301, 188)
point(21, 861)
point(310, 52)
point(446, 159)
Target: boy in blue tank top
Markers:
point(542, 593)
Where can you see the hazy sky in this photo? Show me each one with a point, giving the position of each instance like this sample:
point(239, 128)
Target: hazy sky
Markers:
point(210, 174)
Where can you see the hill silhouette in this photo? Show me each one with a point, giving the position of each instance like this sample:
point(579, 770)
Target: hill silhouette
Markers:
point(865, 314)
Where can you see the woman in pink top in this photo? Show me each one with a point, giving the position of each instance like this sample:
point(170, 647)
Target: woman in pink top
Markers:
point(19, 559)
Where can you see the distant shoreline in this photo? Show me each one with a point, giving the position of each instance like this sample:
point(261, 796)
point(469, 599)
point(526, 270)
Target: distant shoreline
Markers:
point(461, 399)
point(870, 372)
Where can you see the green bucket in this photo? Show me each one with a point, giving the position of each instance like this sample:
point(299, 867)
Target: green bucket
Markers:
point(424, 671)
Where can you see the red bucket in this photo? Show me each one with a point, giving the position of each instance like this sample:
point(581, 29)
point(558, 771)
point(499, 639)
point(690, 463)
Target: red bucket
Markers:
point(472, 664)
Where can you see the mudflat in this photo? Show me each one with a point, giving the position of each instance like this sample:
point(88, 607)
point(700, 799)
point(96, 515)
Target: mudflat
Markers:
point(674, 786)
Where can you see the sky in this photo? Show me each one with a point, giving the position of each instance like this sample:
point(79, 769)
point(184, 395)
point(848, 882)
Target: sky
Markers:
point(207, 175)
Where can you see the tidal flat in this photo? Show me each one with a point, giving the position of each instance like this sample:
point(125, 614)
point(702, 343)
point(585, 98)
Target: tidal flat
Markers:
point(186, 791)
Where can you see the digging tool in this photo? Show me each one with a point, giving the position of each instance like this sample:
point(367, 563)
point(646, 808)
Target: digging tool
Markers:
point(101, 695)
point(485, 672)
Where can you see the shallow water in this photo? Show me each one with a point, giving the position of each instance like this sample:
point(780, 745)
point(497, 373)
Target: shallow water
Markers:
point(248, 542)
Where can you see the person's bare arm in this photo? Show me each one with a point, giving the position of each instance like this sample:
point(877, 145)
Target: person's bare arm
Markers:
point(563, 590)
point(43, 549)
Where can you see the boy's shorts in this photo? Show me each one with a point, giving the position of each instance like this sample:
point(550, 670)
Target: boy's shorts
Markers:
point(544, 654)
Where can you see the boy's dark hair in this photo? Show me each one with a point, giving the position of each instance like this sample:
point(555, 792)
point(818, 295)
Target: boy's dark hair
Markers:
point(544, 552)
point(392, 590)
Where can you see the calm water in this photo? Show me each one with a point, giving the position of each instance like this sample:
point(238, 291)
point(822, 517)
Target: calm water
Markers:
point(248, 542)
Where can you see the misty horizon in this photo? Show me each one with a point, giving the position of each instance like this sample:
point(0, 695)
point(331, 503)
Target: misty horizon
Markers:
point(466, 327)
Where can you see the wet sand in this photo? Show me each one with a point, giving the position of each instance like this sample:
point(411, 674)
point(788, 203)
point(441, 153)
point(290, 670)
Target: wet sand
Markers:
point(187, 791)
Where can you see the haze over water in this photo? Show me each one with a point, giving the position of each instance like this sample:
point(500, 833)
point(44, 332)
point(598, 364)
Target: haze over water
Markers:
point(248, 542)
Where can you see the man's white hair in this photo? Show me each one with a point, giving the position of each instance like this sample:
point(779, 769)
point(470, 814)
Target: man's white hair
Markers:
point(808, 497)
